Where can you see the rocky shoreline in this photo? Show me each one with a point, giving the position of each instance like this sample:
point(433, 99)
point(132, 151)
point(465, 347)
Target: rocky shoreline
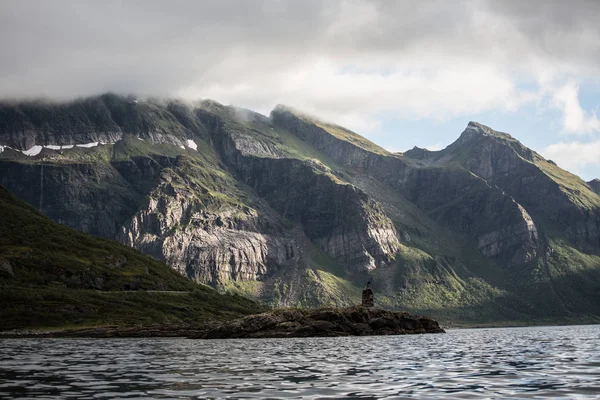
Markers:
point(323, 322)
point(281, 323)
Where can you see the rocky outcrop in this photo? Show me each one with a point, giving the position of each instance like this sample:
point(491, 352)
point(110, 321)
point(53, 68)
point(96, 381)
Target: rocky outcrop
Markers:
point(352, 321)
point(518, 240)
point(282, 323)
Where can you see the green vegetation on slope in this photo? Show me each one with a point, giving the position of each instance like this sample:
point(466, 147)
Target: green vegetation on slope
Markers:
point(53, 276)
point(337, 131)
point(576, 189)
point(48, 307)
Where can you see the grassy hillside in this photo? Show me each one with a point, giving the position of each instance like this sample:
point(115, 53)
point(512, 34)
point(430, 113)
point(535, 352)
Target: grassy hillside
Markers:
point(55, 276)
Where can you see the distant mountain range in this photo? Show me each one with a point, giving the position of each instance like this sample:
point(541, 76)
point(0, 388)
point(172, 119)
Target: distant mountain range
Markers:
point(296, 211)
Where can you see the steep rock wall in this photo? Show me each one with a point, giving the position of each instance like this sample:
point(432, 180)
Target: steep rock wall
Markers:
point(91, 197)
point(344, 221)
point(501, 228)
point(209, 244)
point(548, 193)
point(104, 119)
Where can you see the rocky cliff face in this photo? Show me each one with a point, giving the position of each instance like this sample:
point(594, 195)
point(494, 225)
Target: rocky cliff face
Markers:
point(161, 205)
point(465, 202)
point(554, 196)
point(340, 218)
point(214, 247)
point(294, 210)
point(103, 119)
point(93, 198)
point(210, 240)
point(500, 226)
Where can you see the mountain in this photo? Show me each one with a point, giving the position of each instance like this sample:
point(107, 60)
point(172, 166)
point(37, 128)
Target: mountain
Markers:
point(296, 211)
point(595, 185)
point(55, 276)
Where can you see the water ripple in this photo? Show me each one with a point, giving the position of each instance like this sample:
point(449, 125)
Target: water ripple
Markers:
point(544, 362)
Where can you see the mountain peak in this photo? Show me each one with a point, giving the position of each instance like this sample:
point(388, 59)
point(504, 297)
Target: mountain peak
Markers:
point(474, 132)
point(475, 128)
point(478, 139)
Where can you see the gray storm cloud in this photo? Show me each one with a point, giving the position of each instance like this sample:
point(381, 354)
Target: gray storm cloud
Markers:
point(65, 48)
point(341, 59)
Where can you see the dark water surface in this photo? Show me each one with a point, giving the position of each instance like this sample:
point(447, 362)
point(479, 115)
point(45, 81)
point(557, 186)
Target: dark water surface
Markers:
point(541, 362)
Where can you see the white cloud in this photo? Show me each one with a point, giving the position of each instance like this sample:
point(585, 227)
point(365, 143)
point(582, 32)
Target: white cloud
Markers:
point(348, 61)
point(574, 156)
point(355, 97)
point(575, 119)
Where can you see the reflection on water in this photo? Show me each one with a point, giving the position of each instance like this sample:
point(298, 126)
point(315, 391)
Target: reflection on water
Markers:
point(511, 362)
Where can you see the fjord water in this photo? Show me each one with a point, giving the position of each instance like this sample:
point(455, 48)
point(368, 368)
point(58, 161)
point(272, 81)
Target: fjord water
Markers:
point(537, 362)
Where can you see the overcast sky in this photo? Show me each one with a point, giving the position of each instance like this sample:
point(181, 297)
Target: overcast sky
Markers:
point(401, 73)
